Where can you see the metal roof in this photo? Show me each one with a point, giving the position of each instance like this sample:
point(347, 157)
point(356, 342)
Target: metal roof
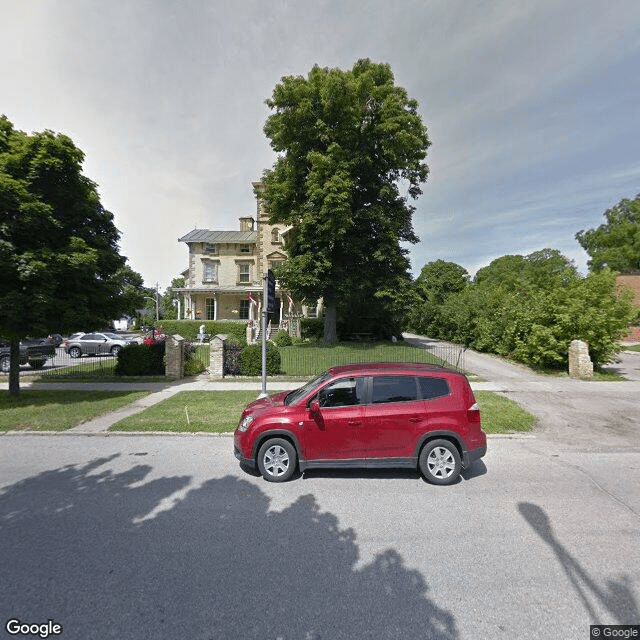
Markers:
point(220, 237)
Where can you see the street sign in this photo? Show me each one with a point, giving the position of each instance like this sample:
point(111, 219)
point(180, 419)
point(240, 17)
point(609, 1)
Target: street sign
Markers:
point(271, 292)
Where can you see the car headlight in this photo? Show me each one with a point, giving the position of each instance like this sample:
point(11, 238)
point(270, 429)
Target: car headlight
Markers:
point(245, 422)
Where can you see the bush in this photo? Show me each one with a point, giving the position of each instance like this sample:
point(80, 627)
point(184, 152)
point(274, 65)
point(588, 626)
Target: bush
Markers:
point(141, 360)
point(312, 328)
point(251, 360)
point(188, 329)
point(282, 339)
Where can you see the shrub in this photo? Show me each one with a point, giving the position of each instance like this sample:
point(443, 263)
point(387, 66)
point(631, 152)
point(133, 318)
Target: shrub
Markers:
point(188, 329)
point(141, 360)
point(251, 360)
point(282, 339)
point(312, 328)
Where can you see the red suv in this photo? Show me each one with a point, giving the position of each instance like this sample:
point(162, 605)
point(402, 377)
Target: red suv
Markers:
point(366, 415)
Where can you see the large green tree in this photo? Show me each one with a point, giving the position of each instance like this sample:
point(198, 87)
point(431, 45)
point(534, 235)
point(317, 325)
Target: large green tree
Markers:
point(351, 148)
point(59, 259)
point(616, 243)
point(437, 281)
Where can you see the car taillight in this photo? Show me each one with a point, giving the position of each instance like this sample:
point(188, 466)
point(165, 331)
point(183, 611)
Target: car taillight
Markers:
point(473, 413)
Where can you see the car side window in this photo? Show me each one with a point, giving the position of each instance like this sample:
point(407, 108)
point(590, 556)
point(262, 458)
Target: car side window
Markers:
point(89, 336)
point(431, 388)
point(342, 393)
point(394, 389)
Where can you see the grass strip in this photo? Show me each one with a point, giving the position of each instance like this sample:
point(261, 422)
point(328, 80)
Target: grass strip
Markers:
point(219, 412)
point(58, 410)
point(191, 411)
point(502, 415)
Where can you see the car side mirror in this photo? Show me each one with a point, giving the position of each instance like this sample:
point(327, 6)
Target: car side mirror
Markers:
point(314, 408)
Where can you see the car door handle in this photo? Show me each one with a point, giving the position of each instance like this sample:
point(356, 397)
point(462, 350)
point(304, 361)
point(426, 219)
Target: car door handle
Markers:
point(354, 423)
point(415, 419)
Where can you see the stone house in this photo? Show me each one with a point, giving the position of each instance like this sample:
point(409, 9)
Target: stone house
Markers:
point(224, 280)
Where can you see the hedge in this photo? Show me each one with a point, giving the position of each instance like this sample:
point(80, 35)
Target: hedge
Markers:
point(251, 360)
point(141, 360)
point(188, 329)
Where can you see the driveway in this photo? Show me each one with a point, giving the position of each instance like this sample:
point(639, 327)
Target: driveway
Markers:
point(591, 415)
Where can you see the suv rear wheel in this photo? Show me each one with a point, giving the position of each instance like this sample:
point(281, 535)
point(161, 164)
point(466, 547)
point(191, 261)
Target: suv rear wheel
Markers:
point(277, 460)
point(440, 462)
point(5, 364)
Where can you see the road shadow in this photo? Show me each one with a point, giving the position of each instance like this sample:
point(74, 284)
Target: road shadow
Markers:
point(616, 597)
point(118, 555)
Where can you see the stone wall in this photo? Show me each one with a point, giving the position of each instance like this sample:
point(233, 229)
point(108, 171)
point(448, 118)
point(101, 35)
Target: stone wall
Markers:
point(216, 358)
point(174, 357)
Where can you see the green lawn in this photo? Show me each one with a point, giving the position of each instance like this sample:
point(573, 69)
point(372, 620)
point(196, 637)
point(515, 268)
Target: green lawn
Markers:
point(501, 415)
point(310, 359)
point(58, 410)
point(219, 412)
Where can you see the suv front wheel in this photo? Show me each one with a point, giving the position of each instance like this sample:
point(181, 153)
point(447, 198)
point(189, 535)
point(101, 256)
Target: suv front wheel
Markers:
point(440, 462)
point(277, 460)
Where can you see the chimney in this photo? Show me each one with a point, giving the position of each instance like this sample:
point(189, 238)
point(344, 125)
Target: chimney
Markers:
point(246, 224)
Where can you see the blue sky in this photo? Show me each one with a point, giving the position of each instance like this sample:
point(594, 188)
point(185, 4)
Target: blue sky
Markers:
point(532, 109)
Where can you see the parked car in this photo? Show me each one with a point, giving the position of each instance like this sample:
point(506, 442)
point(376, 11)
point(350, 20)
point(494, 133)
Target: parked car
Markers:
point(93, 344)
point(377, 415)
point(32, 352)
point(55, 339)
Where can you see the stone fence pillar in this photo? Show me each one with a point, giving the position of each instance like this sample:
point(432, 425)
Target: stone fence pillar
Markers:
point(174, 355)
point(580, 365)
point(216, 358)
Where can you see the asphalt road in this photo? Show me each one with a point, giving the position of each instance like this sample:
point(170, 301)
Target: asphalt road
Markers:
point(166, 537)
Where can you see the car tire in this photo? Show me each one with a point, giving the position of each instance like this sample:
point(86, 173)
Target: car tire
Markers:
point(75, 352)
point(440, 462)
point(115, 350)
point(5, 364)
point(277, 460)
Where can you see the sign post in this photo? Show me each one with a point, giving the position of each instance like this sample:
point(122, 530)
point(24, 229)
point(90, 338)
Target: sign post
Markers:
point(269, 298)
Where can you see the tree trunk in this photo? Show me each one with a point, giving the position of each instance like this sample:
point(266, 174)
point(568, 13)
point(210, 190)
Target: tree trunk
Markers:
point(14, 368)
point(330, 330)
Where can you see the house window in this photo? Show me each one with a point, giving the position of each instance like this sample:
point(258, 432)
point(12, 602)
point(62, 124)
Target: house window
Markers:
point(210, 248)
point(275, 236)
point(245, 248)
point(210, 308)
point(210, 272)
point(244, 309)
point(274, 264)
point(244, 273)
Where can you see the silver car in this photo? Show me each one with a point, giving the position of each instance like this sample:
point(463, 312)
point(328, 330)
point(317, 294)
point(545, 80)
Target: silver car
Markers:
point(96, 344)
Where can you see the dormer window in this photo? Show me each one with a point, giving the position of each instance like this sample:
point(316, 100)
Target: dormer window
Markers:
point(245, 248)
point(211, 248)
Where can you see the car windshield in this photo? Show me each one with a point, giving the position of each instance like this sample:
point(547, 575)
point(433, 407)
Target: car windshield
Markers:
point(298, 394)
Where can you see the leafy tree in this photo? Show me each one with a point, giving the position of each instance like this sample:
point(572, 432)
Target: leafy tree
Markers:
point(437, 281)
point(132, 289)
point(615, 244)
point(351, 148)
point(530, 308)
point(59, 257)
